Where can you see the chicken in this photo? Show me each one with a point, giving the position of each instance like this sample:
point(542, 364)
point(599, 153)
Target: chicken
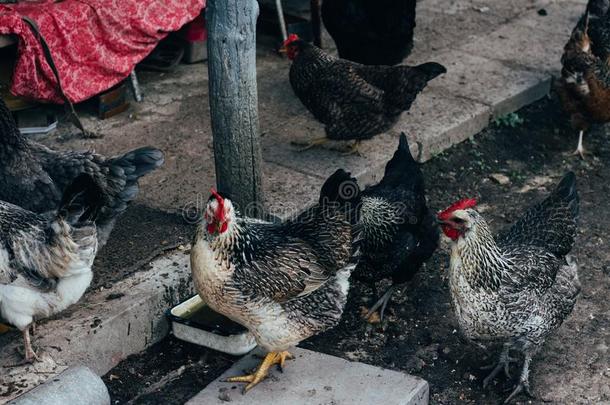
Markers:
point(584, 85)
point(517, 287)
point(399, 232)
point(353, 101)
point(371, 33)
point(45, 261)
point(34, 177)
point(284, 282)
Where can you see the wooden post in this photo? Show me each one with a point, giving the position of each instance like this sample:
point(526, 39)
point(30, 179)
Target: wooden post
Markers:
point(234, 101)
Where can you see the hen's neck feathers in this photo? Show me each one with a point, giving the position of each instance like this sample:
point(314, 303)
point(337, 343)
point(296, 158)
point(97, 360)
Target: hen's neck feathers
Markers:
point(482, 261)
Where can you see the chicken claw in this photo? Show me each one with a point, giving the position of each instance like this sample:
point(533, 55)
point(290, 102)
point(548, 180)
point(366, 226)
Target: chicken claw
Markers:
point(382, 302)
point(262, 370)
point(580, 150)
point(503, 363)
point(310, 144)
point(29, 354)
point(523, 386)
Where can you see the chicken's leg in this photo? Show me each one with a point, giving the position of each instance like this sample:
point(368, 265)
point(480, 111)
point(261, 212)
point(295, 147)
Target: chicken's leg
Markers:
point(353, 149)
point(262, 370)
point(524, 379)
point(382, 302)
point(29, 354)
point(310, 144)
point(503, 363)
point(580, 150)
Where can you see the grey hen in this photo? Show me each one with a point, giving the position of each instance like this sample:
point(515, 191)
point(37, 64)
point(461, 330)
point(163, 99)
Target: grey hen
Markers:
point(518, 287)
point(34, 177)
point(284, 282)
point(45, 261)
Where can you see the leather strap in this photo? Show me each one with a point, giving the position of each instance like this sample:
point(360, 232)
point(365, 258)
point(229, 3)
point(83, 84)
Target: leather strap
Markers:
point(69, 107)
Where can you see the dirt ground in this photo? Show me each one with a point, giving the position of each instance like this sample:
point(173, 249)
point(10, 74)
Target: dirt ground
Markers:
point(419, 334)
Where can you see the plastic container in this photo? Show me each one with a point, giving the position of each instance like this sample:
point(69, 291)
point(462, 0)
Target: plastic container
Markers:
point(194, 322)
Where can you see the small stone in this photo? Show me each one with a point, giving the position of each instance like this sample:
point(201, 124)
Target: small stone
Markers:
point(500, 178)
point(542, 12)
point(446, 350)
point(223, 395)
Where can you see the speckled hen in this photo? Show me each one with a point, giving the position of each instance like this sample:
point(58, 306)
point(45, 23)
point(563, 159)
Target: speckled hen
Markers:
point(34, 177)
point(45, 261)
point(517, 287)
point(353, 101)
point(284, 282)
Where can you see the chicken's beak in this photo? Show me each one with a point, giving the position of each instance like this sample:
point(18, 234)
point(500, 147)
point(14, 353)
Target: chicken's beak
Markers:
point(283, 49)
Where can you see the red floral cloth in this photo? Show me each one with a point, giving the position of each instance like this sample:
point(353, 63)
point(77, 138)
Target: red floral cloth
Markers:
point(95, 43)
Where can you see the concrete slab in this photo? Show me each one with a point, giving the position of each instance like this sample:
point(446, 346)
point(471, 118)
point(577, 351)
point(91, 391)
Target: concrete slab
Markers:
point(436, 30)
point(506, 9)
point(76, 385)
point(101, 330)
point(322, 162)
point(521, 46)
point(315, 378)
point(438, 120)
point(490, 82)
point(560, 18)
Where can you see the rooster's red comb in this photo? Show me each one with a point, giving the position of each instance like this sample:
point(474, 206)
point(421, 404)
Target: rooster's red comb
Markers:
point(291, 38)
point(221, 202)
point(458, 205)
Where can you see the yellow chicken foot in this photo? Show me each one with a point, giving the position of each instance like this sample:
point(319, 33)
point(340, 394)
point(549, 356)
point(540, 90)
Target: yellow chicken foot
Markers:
point(580, 150)
point(353, 149)
point(371, 316)
point(310, 144)
point(262, 370)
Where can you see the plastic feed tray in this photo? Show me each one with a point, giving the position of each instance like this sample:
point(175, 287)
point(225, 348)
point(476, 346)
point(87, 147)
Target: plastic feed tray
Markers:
point(194, 322)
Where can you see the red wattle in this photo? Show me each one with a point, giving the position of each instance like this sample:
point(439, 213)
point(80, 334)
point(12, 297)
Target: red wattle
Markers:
point(450, 232)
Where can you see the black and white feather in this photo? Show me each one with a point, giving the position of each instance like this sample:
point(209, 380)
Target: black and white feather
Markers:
point(35, 177)
point(45, 260)
point(284, 282)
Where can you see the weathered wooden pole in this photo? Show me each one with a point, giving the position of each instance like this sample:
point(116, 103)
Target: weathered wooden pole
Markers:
point(234, 101)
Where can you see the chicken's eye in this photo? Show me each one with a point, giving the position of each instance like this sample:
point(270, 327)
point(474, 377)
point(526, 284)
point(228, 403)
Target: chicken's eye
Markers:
point(458, 220)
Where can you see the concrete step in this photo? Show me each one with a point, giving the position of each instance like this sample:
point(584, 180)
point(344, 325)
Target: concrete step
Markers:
point(101, 330)
point(316, 378)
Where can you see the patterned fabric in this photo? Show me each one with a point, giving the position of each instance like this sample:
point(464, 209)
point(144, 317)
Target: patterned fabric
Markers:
point(95, 43)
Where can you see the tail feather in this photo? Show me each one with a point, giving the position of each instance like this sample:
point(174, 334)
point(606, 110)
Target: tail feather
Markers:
point(138, 162)
point(598, 8)
point(550, 224)
point(430, 70)
point(81, 201)
point(567, 193)
point(402, 167)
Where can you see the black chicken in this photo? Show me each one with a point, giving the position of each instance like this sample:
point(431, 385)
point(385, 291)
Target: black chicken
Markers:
point(353, 101)
point(399, 232)
point(371, 32)
point(34, 177)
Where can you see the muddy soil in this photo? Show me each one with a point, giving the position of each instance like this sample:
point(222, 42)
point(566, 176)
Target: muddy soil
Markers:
point(419, 334)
